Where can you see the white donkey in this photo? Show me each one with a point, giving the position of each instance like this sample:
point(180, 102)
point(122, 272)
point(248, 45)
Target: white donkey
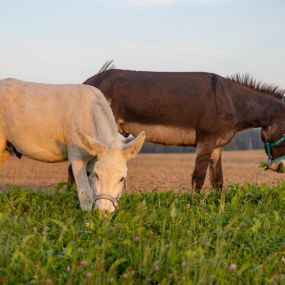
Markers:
point(54, 123)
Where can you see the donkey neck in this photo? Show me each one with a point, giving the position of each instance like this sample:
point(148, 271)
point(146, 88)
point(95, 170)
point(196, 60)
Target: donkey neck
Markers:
point(256, 109)
point(104, 122)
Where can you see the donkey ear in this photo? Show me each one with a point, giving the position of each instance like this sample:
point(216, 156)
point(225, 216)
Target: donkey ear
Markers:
point(91, 145)
point(131, 149)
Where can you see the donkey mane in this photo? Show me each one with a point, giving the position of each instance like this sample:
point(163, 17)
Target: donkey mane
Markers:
point(268, 89)
point(109, 64)
point(96, 79)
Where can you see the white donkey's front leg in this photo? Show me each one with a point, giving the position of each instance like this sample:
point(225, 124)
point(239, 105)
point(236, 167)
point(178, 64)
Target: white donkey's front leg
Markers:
point(90, 174)
point(85, 194)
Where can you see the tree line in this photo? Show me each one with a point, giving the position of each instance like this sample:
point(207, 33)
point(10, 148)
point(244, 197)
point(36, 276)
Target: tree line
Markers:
point(244, 140)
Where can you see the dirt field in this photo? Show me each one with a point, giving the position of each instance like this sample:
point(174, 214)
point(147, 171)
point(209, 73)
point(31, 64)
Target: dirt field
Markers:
point(147, 172)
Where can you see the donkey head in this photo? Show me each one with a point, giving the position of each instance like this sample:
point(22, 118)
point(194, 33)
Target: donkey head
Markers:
point(274, 142)
point(110, 170)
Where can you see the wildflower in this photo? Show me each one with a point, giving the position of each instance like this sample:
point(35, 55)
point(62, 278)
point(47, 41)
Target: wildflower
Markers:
point(125, 275)
point(283, 260)
point(48, 281)
point(88, 274)
point(156, 266)
point(133, 273)
point(233, 267)
point(136, 238)
point(83, 263)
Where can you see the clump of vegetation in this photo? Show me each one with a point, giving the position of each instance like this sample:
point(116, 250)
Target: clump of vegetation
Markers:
point(281, 168)
point(231, 237)
point(263, 165)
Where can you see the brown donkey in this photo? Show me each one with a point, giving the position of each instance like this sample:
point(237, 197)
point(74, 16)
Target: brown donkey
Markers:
point(198, 109)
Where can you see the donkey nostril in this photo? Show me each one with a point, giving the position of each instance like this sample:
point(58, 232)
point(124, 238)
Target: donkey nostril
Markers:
point(105, 206)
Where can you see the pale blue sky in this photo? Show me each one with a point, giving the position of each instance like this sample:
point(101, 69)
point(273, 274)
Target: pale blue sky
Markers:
point(66, 41)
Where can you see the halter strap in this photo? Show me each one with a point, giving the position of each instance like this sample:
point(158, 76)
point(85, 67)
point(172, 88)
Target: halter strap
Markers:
point(107, 197)
point(269, 145)
point(276, 143)
point(111, 198)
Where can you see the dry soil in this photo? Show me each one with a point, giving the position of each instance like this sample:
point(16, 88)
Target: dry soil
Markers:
point(147, 172)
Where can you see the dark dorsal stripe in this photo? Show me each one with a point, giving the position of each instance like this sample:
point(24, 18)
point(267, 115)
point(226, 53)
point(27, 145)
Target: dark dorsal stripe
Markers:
point(214, 83)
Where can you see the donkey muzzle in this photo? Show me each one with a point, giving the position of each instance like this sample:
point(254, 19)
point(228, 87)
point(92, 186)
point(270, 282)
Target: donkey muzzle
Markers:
point(108, 198)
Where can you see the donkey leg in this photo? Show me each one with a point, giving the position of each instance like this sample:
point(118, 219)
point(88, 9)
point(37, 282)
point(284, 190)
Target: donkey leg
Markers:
point(71, 180)
point(70, 177)
point(3, 157)
point(84, 192)
point(4, 154)
point(216, 172)
point(204, 152)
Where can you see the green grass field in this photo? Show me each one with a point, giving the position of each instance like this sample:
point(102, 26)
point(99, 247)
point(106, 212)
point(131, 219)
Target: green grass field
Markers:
point(231, 237)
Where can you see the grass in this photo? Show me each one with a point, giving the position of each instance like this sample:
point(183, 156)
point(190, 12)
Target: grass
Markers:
point(231, 237)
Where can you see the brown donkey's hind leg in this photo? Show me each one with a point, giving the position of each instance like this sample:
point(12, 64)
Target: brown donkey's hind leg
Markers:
point(216, 172)
point(204, 153)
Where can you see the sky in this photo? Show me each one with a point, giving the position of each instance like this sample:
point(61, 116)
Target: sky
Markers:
point(67, 41)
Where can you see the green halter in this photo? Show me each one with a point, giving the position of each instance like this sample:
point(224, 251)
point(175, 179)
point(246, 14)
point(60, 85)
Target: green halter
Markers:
point(268, 147)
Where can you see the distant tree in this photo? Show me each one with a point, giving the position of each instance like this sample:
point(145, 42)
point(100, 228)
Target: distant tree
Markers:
point(245, 140)
point(248, 139)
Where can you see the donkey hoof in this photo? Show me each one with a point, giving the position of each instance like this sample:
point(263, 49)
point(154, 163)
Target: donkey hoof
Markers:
point(196, 190)
point(86, 205)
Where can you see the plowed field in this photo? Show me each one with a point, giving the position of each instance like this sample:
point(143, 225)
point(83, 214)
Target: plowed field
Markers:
point(147, 172)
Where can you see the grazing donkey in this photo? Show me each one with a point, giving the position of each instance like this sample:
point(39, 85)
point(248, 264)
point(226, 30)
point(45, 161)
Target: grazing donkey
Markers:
point(198, 109)
point(54, 123)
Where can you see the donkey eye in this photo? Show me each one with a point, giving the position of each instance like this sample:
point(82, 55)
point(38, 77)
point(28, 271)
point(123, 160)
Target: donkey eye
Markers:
point(122, 179)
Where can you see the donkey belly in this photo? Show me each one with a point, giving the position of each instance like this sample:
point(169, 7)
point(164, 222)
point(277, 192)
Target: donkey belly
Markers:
point(162, 134)
point(45, 149)
point(51, 153)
